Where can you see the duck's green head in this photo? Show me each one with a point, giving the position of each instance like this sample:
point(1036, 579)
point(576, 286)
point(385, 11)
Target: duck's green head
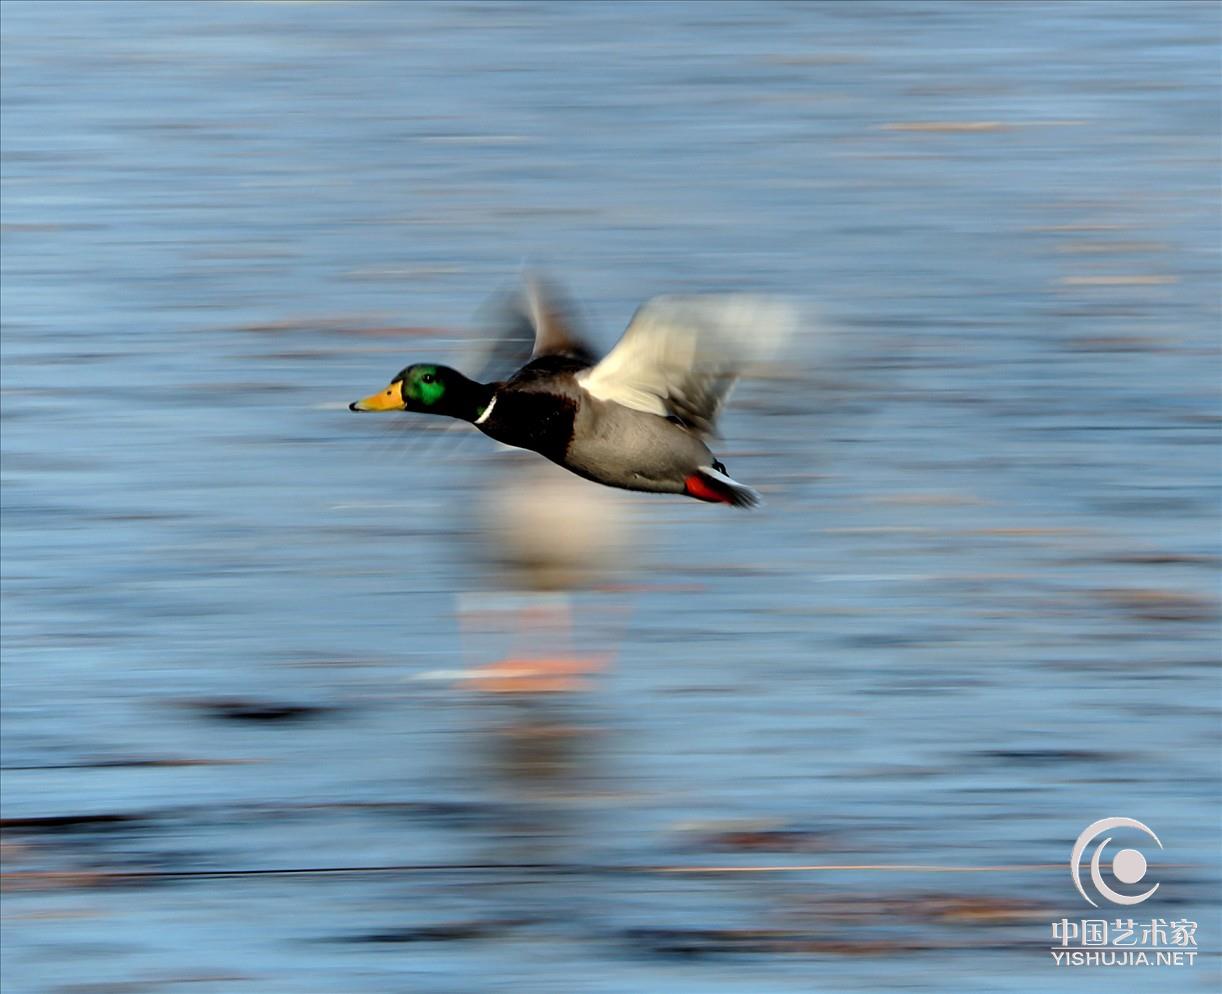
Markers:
point(429, 389)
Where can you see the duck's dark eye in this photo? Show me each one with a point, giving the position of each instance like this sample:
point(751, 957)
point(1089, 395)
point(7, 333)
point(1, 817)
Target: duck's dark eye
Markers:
point(427, 378)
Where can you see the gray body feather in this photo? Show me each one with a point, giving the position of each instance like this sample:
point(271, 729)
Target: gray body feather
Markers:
point(624, 448)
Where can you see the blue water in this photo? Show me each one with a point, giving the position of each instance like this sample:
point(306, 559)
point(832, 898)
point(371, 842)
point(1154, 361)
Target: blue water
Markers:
point(978, 612)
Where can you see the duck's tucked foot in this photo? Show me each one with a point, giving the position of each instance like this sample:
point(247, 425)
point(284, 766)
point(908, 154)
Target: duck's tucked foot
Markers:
point(714, 486)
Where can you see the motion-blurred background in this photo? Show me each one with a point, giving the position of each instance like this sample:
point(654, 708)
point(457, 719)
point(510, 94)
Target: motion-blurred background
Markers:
point(978, 612)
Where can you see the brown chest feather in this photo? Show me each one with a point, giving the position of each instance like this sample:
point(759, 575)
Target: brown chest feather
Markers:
point(540, 422)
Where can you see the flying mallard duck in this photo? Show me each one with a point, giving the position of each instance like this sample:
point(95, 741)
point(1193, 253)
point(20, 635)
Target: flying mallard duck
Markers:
point(638, 419)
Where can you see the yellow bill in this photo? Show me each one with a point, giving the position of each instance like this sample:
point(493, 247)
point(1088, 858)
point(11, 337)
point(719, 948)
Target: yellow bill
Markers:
point(390, 399)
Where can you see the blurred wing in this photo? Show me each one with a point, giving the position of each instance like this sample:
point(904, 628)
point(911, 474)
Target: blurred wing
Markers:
point(536, 321)
point(555, 325)
point(681, 355)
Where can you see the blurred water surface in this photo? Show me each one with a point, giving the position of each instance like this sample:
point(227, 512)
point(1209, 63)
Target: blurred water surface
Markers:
point(978, 612)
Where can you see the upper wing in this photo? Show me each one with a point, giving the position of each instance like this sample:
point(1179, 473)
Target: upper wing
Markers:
point(681, 355)
point(555, 325)
point(536, 321)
